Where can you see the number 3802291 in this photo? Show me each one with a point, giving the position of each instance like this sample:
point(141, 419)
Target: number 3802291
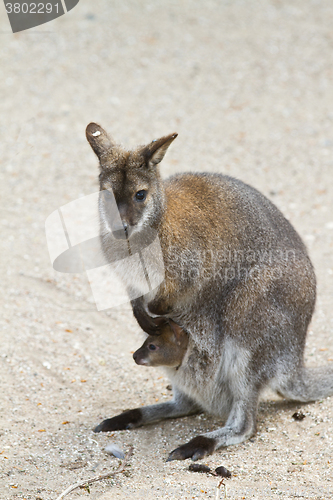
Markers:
point(31, 8)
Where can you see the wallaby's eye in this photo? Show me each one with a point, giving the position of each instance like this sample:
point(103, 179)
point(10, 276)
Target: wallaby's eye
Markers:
point(152, 347)
point(141, 195)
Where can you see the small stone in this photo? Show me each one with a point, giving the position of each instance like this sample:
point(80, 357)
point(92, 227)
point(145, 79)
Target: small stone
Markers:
point(113, 449)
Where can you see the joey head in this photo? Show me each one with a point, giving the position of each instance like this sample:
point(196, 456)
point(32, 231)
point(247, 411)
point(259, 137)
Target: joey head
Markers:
point(166, 349)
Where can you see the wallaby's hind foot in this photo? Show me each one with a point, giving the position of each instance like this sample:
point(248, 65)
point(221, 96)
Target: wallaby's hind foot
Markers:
point(200, 446)
point(309, 384)
point(180, 406)
point(126, 420)
point(197, 448)
point(240, 425)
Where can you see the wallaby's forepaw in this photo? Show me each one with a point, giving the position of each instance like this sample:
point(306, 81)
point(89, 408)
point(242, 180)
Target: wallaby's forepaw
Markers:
point(197, 448)
point(159, 308)
point(126, 420)
point(147, 323)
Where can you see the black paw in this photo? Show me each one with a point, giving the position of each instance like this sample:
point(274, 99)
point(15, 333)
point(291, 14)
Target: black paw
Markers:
point(147, 323)
point(197, 448)
point(126, 420)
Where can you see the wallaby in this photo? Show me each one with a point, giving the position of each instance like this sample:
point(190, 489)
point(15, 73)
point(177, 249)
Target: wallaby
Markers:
point(237, 278)
point(165, 349)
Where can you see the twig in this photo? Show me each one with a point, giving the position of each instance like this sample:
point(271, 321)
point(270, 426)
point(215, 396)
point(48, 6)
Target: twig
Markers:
point(98, 478)
point(221, 483)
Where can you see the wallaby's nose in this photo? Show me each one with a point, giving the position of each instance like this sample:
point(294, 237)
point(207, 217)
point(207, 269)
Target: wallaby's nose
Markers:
point(137, 356)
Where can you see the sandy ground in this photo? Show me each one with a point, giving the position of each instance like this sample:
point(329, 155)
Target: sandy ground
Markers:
point(249, 88)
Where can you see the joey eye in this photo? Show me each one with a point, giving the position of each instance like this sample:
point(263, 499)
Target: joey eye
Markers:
point(152, 347)
point(141, 195)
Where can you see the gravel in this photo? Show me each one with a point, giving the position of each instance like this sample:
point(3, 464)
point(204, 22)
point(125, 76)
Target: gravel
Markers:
point(248, 87)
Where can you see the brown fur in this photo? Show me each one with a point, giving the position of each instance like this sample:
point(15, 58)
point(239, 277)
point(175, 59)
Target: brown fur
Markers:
point(165, 349)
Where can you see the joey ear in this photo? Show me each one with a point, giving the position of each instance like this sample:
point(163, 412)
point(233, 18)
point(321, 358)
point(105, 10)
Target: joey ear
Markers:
point(177, 330)
point(98, 139)
point(156, 150)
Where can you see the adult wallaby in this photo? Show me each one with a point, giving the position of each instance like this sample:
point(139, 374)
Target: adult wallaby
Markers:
point(165, 349)
point(237, 278)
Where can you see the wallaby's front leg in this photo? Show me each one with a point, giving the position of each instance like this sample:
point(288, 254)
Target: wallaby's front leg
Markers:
point(159, 307)
point(164, 301)
point(240, 425)
point(179, 406)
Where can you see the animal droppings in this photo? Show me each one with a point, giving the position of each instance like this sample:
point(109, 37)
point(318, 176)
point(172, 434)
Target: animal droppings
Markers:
point(222, 471)
point(298, 415)
point(199, 468)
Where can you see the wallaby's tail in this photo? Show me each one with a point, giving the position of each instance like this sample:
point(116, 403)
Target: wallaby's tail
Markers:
point(309, 384)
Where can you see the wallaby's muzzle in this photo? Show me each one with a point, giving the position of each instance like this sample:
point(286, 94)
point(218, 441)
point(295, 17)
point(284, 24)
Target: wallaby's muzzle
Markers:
point(137, 356)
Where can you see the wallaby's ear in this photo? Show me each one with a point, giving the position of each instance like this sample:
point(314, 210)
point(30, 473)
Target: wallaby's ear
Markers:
point(156, 150)
point(177, 330)
point(98, 139)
